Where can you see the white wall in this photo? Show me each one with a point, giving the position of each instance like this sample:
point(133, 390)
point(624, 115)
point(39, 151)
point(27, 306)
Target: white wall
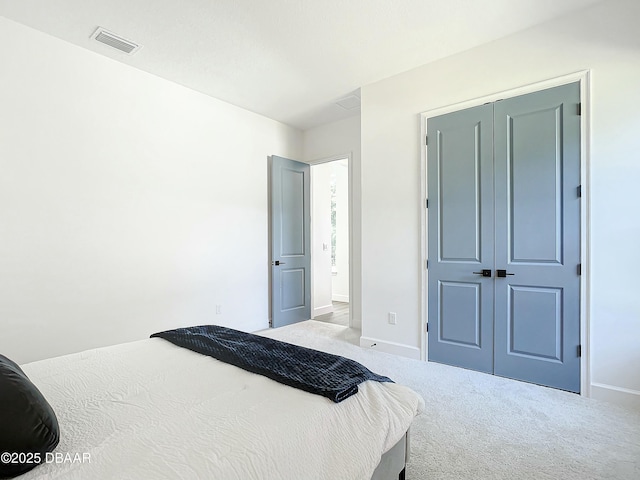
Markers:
point(333, 140)
point(321, 232)
point(603, 38)
point(128, 204)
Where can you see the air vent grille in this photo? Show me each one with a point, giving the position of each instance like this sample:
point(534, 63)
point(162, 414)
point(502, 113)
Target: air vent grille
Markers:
point(350, 102)
point(104, 36)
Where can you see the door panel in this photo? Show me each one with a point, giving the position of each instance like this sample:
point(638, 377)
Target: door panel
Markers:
point(459, 155)
point(293, 218)
point(292, 288)
point(534, 174)
point(537, 171)
point(290, 252)
point(460, 307)
point(538, 332)
point(461, 238)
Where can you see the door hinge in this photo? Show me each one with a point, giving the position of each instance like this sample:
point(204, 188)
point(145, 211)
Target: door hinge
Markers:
point(579, 191)
point(579, 350)
point(426, 140)
point(579, 269)
point(426, 264)
point(580, 108)
point(426, 327)
point(426, 203)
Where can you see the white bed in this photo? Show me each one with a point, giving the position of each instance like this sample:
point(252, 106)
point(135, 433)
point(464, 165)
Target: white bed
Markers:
point(152, 410)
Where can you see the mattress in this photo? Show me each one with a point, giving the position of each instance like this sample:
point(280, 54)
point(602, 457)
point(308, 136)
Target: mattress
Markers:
point(152, 410)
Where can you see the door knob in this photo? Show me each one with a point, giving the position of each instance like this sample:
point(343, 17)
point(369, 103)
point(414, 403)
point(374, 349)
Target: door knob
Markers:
point(277, 262)
point(503, 273)
point(486, 272)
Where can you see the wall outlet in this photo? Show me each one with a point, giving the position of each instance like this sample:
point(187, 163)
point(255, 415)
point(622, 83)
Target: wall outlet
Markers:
point(392, 318)
point(218, 309)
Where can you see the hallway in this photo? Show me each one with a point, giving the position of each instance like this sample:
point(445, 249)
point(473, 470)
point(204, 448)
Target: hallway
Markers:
point(339, 316)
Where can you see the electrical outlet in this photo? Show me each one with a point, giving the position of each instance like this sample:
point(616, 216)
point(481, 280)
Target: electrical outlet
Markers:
point(218, 309)
point(392, 318)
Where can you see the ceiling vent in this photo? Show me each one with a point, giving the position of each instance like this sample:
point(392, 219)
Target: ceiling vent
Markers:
point(114, 41)
point(349, 102)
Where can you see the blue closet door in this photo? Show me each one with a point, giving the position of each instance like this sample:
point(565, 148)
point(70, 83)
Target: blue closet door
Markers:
point(504, 238)
point(460, 184)
point(537, 172)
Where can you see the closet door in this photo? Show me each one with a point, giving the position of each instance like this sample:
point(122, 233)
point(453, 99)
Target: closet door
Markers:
point(503, 202)
point(537, 236)
point(460, 185)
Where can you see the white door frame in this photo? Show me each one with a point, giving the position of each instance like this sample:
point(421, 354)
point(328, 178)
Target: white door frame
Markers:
point(585, 254)
point(348, 156)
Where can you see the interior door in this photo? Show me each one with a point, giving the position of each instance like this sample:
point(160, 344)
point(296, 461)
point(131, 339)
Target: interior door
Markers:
point(460, 183)
point(290, 242)
point(537, 171)
point(503, 202)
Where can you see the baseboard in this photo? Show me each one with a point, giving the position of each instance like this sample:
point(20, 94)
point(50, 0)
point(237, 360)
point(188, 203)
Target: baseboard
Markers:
point(322, 310)
point(390, 347)
point(340, 298)
point(619, 395)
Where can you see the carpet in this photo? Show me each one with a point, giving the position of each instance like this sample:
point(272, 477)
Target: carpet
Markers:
point(479, 426)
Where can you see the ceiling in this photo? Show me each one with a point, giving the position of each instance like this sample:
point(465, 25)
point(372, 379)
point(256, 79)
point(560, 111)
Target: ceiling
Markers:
point(289, 60)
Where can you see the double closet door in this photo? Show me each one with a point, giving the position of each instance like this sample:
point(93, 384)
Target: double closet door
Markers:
point(504, 238)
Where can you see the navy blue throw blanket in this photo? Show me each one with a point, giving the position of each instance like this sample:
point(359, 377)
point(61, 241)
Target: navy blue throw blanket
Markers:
point(310, 370)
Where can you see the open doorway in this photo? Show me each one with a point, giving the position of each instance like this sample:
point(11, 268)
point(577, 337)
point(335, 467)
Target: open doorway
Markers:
point(330, 241)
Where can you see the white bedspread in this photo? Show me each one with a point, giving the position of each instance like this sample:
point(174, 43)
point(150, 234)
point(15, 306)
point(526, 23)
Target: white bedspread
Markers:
point(152, 410)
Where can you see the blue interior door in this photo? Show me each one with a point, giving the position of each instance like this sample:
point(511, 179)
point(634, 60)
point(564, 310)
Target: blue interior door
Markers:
point(502, 181)
point(537, 171)
point(460, 183)
point(290, 242)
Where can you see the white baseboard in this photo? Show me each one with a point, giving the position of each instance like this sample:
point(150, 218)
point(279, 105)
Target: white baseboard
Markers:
point(619, 395)
point(390, 347)
point(340, 298)
point(322, 310)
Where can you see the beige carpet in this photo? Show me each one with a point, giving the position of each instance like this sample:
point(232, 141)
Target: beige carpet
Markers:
point(479, 426)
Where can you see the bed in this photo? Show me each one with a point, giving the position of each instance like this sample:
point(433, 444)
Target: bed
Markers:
point(153, 410)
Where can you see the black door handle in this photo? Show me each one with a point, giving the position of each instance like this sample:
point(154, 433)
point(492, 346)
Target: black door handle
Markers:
point(486, 272)
point(502, 273)
point(277, 262)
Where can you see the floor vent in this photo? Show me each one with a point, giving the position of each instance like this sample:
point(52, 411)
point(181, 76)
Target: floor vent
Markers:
point(114, 41)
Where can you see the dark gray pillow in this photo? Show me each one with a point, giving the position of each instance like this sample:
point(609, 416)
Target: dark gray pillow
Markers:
point(28, 426)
